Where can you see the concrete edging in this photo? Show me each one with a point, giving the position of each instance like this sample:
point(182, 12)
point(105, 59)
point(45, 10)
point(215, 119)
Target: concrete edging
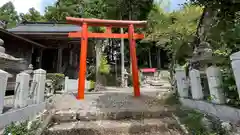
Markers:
point(21, 114)
point(223, 112)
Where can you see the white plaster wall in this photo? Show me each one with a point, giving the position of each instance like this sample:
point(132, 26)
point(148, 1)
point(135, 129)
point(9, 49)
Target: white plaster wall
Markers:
point(71, 85)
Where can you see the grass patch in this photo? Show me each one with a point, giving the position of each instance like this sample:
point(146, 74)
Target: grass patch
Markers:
point(24, 128)
point(172, 99)
point(193, 121)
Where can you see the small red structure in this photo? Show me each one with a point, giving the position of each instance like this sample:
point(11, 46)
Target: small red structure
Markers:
point(84, 35)
point(149, 70)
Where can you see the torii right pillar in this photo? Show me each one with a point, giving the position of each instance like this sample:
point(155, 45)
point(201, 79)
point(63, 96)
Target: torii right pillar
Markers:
point(133, 56)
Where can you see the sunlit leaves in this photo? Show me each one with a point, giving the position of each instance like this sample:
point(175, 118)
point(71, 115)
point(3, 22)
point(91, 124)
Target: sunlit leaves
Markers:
point(33, 16)
point(63, 8)
point(174, 31)
point(9, 14)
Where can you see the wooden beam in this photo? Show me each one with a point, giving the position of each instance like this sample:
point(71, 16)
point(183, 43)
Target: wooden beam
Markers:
point(104, 35)
point(103, 22)
point(22, 38)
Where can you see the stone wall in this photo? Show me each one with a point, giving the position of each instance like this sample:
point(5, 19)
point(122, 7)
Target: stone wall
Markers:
point(28, 100)
point(215, 103)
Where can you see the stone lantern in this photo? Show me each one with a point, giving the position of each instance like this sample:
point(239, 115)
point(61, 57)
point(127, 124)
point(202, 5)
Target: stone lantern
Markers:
point(125, 78)
point(202, 56)
point(8, 62)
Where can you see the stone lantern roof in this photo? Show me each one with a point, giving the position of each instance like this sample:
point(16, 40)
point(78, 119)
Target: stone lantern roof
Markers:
point(4, 56)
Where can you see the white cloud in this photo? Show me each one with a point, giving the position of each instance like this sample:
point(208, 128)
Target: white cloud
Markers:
point(22, 6)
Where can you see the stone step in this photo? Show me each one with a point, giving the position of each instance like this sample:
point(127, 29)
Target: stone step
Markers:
point(166, 126)
point(111, 114)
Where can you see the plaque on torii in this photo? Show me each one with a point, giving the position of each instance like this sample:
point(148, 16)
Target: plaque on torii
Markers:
point(109, 24)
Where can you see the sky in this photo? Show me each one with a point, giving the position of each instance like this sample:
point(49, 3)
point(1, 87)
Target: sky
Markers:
point(22, 6)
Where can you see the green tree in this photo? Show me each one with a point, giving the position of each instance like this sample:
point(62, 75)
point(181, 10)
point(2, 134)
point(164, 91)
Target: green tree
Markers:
point(128, 9)
point(33, 15)
point(173, 31)
point(219, 26)
point(63, 8)
point(8, 14)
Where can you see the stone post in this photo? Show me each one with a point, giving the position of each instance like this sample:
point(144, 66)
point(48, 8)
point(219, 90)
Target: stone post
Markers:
point(235, 58)
point(22, 90)
point(196, 87)
point(3, 86)
point(66, 84)
point(39, 77)
point(182, 83)
point(214, 78)
point(126, 78)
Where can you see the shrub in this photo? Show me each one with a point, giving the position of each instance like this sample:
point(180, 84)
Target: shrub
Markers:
point(56, 80)
point(92, 84)
point(104, 67)
point(24, 128)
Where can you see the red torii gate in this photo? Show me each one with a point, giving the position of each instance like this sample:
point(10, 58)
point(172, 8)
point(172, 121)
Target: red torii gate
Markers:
point(84, 35)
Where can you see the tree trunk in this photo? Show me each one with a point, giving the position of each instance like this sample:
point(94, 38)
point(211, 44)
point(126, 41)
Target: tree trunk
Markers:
point(98, 49)
point(122, 61)
point(149, 57)
point(159, 58)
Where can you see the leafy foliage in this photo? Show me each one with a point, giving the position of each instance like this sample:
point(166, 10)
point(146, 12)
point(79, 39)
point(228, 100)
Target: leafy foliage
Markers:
point(173, 31)
point(56, 79)
point(63, 8)
point(199, 124)
point(104, 67)
point(24, 128)
point(32, 16)
point(9, 14)
point(128, 9)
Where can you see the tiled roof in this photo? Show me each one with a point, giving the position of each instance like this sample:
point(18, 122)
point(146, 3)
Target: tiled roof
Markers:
point(5, 33)
point(44, 27)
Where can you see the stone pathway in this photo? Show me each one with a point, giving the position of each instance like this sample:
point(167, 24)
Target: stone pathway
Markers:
point(114, 113)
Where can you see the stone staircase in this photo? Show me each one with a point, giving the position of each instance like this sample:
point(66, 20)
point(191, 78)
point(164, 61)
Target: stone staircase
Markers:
point(114, 127)
point(113, 113)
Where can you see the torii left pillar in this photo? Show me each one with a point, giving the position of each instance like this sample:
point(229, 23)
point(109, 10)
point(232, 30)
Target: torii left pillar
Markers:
point(84, 35)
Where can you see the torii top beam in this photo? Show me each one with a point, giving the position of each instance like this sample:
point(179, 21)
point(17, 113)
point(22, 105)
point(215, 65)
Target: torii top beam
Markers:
point(107, 23)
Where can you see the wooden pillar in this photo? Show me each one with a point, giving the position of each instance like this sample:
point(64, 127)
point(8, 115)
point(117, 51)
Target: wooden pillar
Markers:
point(59, 65)
point(133, 56)
point(71, 57)
point(40, 60)
point(82, 63)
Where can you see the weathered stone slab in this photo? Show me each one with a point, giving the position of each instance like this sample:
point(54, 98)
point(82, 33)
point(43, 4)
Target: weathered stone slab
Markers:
point(21, 114)
point(223, 112)
point(227, 113)
point(65, 115)
point(188, 103)
point(113, 127)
